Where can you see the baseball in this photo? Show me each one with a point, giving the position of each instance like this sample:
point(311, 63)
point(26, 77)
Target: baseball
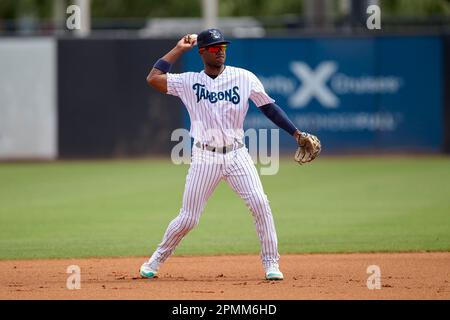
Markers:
point(193, 37)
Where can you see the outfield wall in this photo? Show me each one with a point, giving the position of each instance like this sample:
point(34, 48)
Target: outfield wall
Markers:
point(375, 94)
point(106, 108)
point(79, 98)
point(446, 95)
point(28, 108)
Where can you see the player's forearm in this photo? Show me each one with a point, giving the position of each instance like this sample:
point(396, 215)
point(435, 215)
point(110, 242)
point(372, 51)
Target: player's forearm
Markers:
point(280, 118)
point(157, 77)
point(171, 57)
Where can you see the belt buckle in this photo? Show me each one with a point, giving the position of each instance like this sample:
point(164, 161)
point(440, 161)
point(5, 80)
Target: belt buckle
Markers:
point(223, 150)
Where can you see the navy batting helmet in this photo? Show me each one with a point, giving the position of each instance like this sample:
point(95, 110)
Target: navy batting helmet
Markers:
point(210, 37)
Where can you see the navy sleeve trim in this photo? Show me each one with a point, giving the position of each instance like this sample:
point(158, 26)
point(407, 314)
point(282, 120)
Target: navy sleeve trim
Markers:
point(279, 117)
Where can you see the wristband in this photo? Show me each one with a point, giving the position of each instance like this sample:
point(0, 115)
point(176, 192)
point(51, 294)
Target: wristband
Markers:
point(162, 65)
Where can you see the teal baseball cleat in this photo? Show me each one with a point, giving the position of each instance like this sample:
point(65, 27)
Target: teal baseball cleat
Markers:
point(147, 272)
point(273, 273)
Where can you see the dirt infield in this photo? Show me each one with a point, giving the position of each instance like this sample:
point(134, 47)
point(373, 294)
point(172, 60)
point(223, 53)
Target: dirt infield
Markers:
point(317, 276)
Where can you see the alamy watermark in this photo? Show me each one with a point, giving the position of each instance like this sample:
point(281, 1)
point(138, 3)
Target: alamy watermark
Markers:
point(74, 280)
point(73, 21)
point(373, 22)
point(263, 148)
point(374, 280)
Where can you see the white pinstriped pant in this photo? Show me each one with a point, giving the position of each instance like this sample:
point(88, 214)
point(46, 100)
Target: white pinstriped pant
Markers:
point(207, 169)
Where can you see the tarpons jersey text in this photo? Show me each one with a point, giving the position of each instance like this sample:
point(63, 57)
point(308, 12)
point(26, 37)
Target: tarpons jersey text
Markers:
point(231, 95)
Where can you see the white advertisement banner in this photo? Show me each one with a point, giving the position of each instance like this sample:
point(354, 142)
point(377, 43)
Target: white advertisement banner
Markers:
point(28, 111)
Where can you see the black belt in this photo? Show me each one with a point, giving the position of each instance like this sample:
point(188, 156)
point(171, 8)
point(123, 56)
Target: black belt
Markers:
point(223, 150)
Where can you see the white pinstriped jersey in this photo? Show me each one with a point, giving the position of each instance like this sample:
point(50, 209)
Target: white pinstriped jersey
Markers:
point(217, 107)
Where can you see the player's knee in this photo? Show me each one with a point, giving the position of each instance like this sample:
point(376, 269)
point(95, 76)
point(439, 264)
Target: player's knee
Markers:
point(190, 224)
point(188, 221)
point(259, 202)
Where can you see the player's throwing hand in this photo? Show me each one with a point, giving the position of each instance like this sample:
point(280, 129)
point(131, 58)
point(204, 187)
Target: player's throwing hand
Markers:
point(187, 42)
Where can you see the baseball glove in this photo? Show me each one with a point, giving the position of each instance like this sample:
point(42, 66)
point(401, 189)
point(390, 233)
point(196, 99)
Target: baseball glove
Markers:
point(308, 148)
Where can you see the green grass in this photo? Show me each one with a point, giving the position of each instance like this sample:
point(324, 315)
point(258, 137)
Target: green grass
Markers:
point(121, 208)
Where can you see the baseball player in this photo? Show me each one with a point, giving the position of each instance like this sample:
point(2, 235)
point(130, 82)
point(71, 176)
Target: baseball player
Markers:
point(217, 99)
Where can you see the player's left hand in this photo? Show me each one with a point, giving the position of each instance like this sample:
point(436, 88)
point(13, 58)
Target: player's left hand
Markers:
point(308, 149)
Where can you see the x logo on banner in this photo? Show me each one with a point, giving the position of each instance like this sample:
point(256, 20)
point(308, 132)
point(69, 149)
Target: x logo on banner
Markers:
point(313, 84)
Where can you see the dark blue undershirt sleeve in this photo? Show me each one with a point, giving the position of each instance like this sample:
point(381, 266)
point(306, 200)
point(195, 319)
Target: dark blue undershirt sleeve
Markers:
point(279, 117)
